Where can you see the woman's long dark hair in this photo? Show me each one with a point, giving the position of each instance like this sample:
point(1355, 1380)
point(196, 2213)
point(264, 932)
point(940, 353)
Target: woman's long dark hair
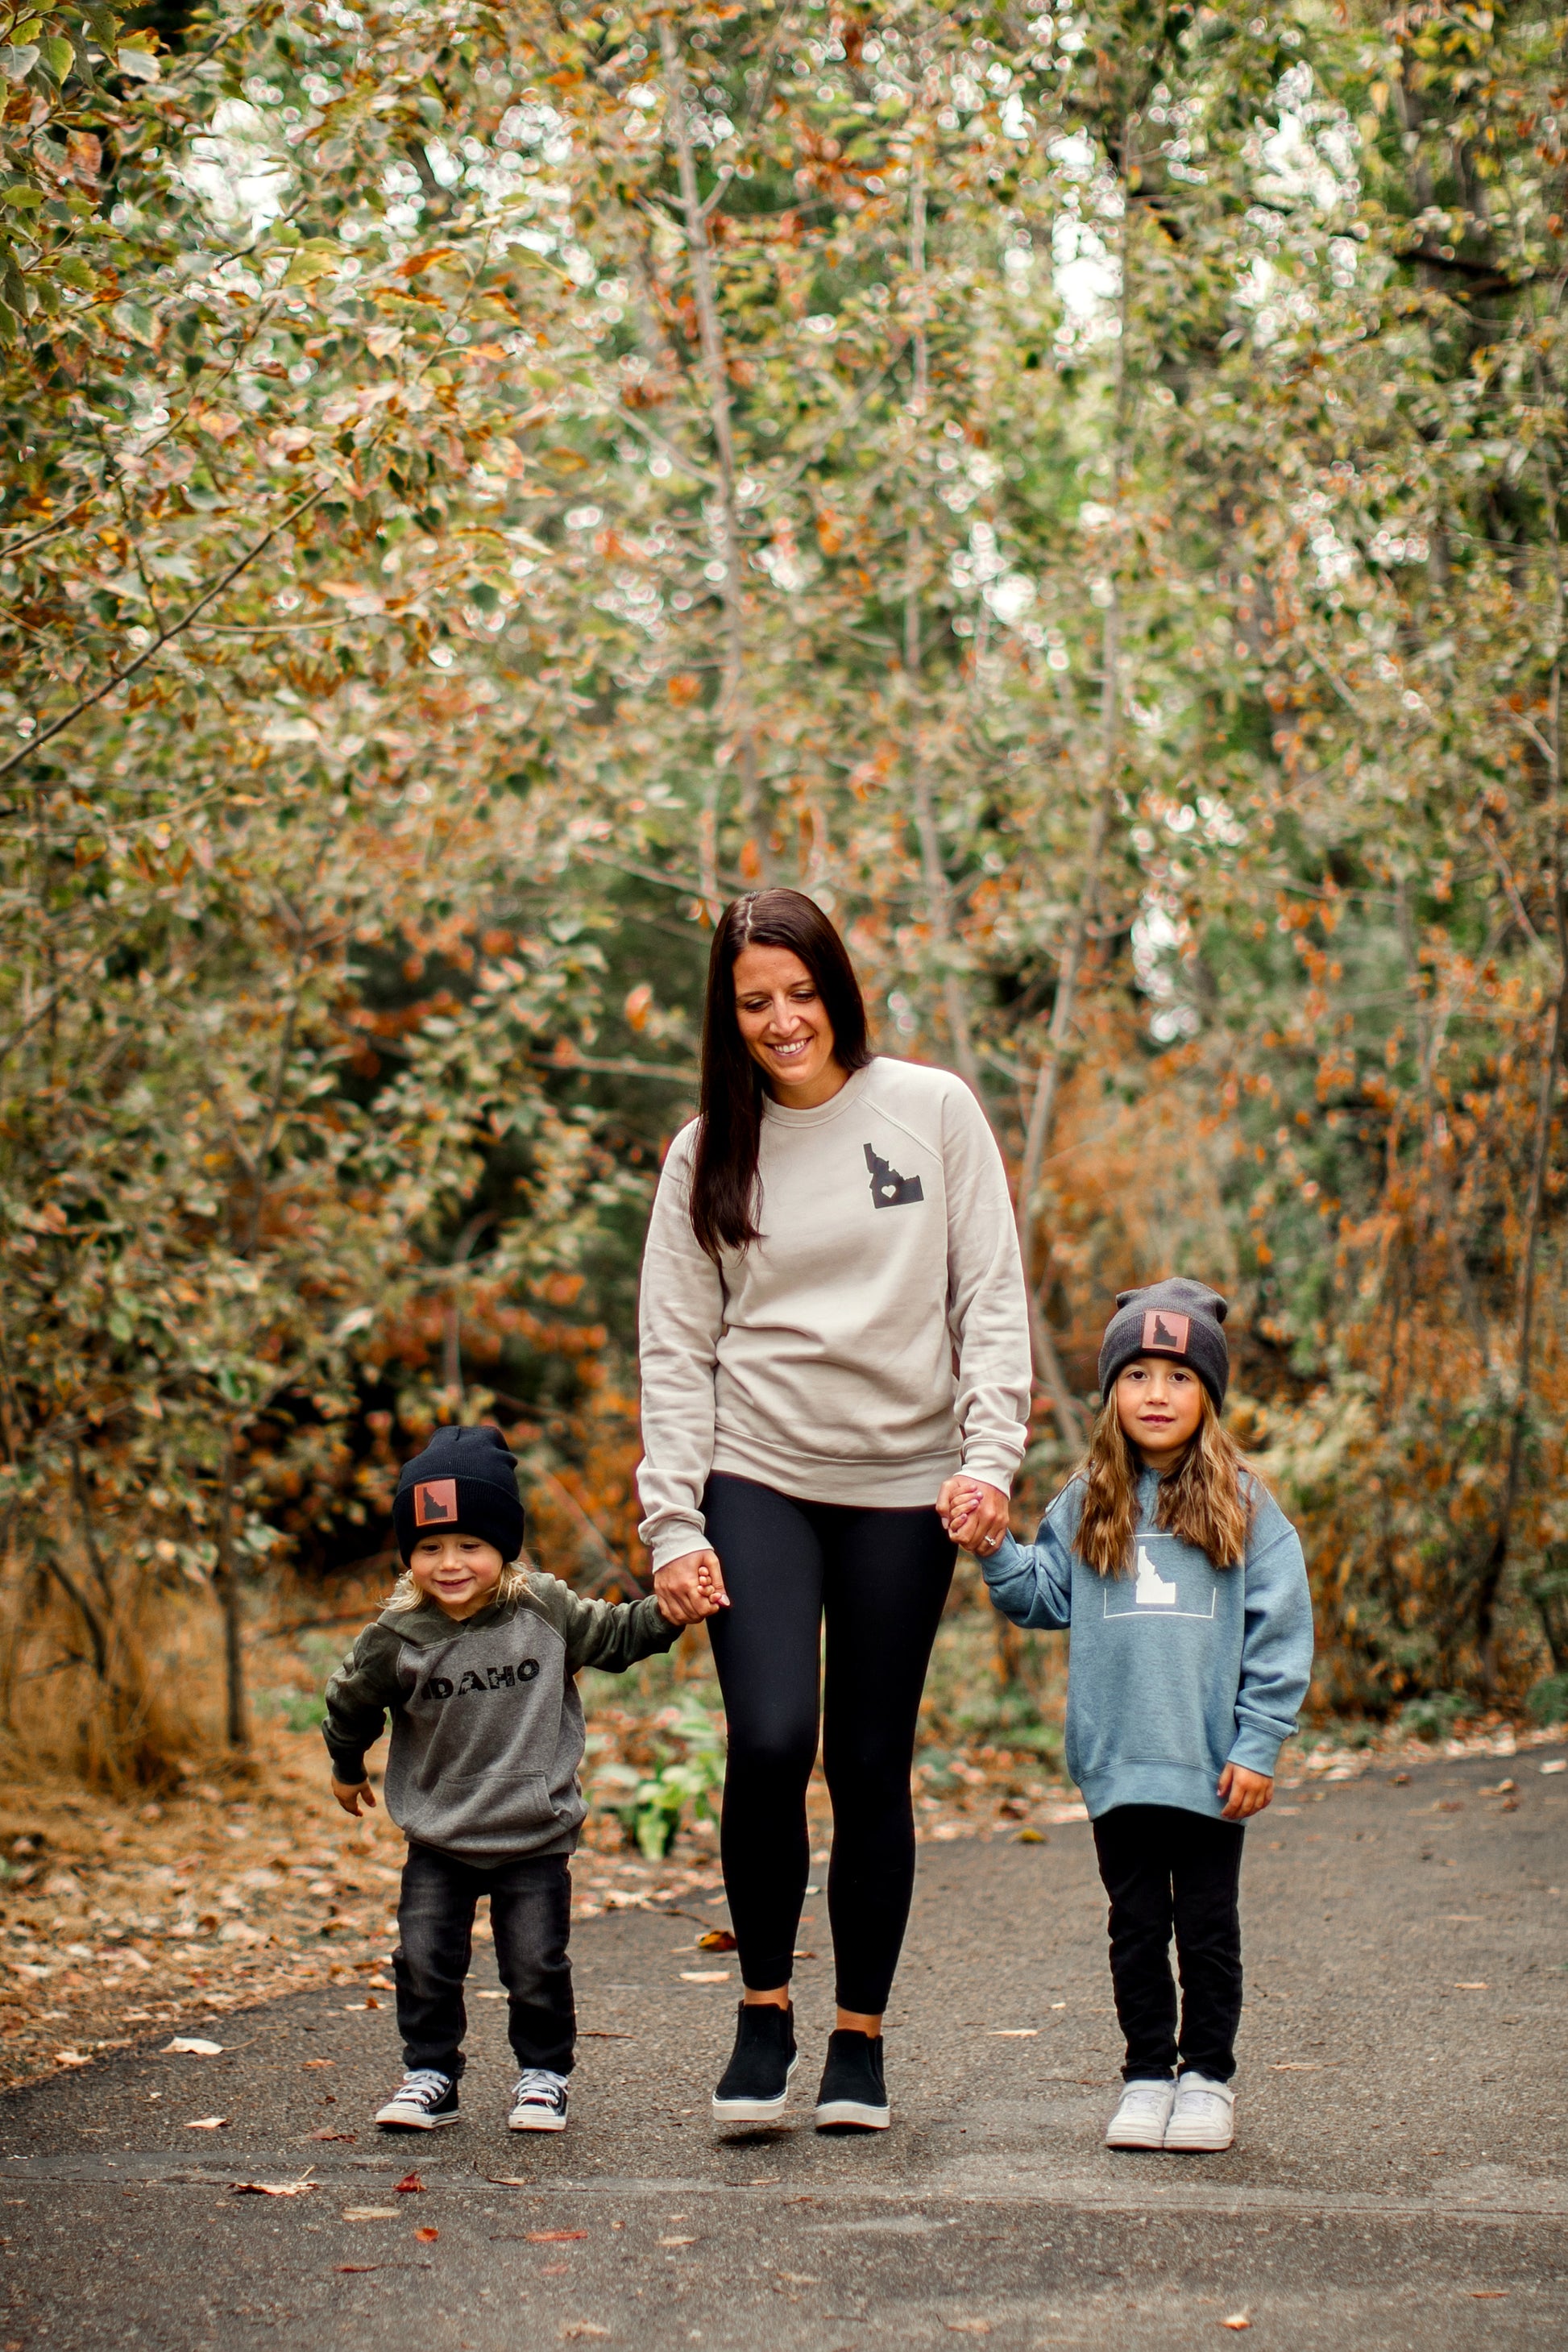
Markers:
point(729, 1121)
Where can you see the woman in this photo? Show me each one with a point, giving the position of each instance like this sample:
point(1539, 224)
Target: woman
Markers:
point(833, 1324)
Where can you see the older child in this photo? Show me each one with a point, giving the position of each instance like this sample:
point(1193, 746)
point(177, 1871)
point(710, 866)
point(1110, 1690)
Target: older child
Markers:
point(474, 1657)
point(1192, 1648)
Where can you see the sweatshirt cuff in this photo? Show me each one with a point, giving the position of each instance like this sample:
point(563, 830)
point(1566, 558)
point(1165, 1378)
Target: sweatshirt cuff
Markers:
point(1004, 1563)
point(347, 1765)
point(1255, 1751)
point(675, 1540)
point(996, 1469)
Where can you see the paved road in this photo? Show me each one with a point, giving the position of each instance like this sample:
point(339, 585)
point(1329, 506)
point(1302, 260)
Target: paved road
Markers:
point(1401, 2178)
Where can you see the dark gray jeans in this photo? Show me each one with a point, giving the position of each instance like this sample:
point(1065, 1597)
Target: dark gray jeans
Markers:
point(531, 1918)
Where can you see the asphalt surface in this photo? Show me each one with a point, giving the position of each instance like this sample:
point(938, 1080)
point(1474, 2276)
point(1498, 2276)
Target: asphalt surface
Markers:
point(1400, 2176)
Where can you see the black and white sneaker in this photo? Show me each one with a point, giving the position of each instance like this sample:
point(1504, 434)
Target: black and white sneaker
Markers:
point(538, 2102)
point(755, 2087)
point(852, 2097)
point(423, 2101)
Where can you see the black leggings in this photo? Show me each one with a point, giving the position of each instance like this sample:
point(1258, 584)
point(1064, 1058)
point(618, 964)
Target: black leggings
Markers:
point(881, 1578)
point(1165, 1868)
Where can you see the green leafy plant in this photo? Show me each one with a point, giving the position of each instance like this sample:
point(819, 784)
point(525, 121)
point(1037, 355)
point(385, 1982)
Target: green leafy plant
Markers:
point(657, 1801)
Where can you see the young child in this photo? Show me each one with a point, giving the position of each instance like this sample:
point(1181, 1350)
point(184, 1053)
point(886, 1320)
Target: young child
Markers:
point(1192, 1648)
point(474, 1657)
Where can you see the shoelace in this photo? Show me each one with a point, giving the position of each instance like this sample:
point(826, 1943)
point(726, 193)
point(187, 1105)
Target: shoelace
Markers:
point(424, 2088)
point(535, 2084)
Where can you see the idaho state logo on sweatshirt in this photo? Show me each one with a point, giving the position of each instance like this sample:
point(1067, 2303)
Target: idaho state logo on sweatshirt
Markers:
point(1168, 1580)
point(888, 1189)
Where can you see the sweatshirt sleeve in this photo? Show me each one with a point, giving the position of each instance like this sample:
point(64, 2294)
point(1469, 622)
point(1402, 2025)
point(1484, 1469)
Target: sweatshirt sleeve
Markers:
point(987, 1310)
point(1031, 1583)
point(609, 1635)
point(681, 1313)
point(1276, 1641)
point(359, 1696)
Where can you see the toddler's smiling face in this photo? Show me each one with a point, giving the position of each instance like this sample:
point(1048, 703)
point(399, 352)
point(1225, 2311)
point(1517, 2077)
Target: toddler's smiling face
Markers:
point(458, 1573)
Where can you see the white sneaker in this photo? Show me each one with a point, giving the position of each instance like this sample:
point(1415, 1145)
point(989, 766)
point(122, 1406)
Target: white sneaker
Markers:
point(1141, 2115)
point(1203, 2120)
point(538, 2102)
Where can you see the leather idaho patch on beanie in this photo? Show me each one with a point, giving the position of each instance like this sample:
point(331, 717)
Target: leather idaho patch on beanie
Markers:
point(464, 1483)
point(1176, 1318)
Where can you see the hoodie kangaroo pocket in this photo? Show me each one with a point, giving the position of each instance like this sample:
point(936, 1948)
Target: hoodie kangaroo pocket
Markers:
point(492, 1810)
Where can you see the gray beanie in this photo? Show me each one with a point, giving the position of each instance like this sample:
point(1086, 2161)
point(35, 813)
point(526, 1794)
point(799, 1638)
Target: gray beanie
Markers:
point(1176, 1318)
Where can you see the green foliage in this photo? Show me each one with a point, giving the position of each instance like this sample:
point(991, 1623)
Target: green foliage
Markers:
point(1548, 1700)
point(1080, 493)
point(677, 1787)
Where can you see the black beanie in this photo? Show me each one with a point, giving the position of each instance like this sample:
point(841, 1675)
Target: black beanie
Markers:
point(1176, 1318)
point(464, 1483)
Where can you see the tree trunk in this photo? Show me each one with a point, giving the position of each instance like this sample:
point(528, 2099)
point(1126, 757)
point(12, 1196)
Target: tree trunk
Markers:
point(731, 717)
point(1069, 969)
point(236, 1726)
point(1536, 1204)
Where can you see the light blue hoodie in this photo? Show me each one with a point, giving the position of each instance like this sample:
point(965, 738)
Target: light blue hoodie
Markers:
point(1177, 1669)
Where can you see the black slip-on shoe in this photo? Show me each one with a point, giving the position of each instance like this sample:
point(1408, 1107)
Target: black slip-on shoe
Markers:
point(755, 2087)
point(853, 2096)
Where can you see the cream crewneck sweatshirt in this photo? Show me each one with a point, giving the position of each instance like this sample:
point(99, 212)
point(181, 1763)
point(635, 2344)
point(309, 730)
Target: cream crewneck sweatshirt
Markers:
point(873, 1341)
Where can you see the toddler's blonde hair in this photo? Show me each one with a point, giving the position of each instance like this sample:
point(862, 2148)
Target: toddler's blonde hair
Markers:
point(514, 1580)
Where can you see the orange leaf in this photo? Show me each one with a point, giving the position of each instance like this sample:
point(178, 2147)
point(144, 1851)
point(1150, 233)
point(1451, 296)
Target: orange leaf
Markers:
point(427, 2237)
point(409, 2185)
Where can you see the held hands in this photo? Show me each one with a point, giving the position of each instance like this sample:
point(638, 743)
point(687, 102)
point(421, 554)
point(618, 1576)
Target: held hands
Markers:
point(352, 1794)
point(689, 1588)
point(974, 1515)
point(1245, 1793)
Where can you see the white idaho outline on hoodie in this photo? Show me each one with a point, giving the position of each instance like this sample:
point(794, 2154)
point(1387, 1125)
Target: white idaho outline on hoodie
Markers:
point(1152, 1594)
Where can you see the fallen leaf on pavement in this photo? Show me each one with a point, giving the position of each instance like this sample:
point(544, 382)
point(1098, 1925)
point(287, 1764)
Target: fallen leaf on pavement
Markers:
point(704, 1975)
point(427, 2237)
point(684, 2242)
point(273, 2187)
point(578, 2327)
point(332, 2135)
point(71, 2058)
point(369, 2214)
point(716, 1939)
point(507, 2180)
point(1031, 1837)
point(1236, 2319)
point(1295, 2067)
point(1475, 1986)
point(310, 2062)
point(409, 2185)
point(191, 2045)
point(1488, 2294)
point(552, 2237)
point(1557, 1764)
point(1013, 2034)
point(207, 2123)
point(1502, 1788)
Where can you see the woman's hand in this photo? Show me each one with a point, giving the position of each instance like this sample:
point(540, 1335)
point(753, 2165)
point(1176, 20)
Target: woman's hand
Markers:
point(974, 1515)
point(1244, 1792)
point(352, 1794)
point(689, 1588)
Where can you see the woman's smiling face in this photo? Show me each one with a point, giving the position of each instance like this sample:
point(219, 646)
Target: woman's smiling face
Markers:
point(785, 1028)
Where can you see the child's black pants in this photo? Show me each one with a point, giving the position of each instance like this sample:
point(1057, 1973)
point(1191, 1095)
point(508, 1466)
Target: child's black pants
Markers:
point(1164, 1868)
point(530, 1919)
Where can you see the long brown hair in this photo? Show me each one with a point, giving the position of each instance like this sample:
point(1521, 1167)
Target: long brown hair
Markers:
point(730, 1118)
point(1206, 1500)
